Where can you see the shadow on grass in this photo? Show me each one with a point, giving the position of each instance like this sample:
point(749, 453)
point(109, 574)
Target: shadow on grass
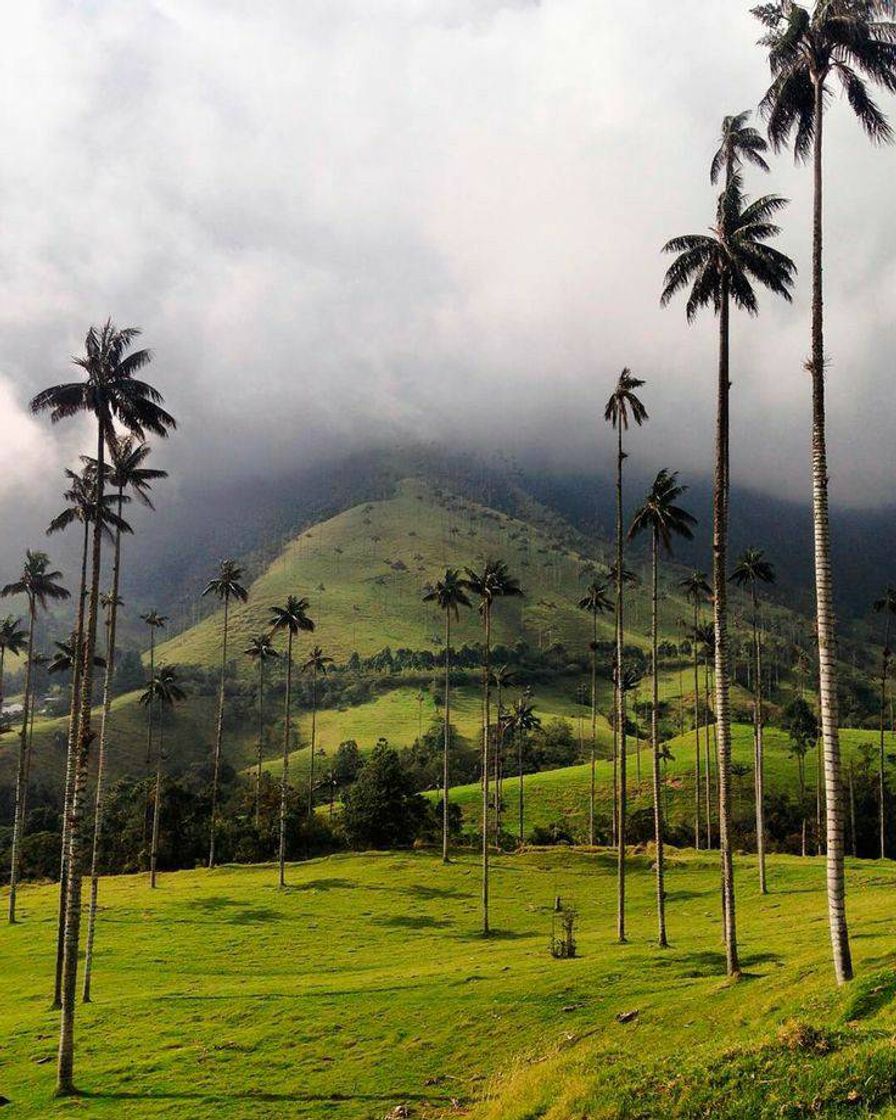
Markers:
point(420, 890)
point(710, 962)
point(495, 935)
point(327, 885)
point(259, 1095)
point(233, 911)
point(412, 921)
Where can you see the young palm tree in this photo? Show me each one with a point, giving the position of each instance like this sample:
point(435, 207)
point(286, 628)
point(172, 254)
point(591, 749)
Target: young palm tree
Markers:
point(491, 583)
point(293, 618)
point(720, 269)
point(623, 405)
point(164, 691)
point(316, 665)
point(596, 602)
point(854, 41)
point(154, 621)
point(520, 721)
point(261, 650)
point(662, 518)
point(739, 143)
point(886, 605)
point(225, 586)
point(40, 585)
point(750, 570)
point(697, 591)
point(449, 596)
point(127, 475)
point(13, 640)
point(110, 392)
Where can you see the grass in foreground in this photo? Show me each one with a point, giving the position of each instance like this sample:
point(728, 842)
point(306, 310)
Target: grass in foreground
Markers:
point(365, 985)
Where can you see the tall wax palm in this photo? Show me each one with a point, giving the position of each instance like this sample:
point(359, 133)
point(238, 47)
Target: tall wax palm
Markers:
point(854, 42)
point(128, 476)
point(40, 586)
point(629, 579)
point(163, 691)
point(293, 618)
point(885, 605)
point(449, 596)
point(697, 591)
point(623, 407)
point(14, 641)
point(721, 268)
point(225, 586)
point(154, 622)
point(705, 643)
point(492, 582)
point(750, 570)
point(520, 721)
point(662, 518)
point(596, 602)
point(261, 650)
point(110, 393)
point(316, 664)
point(503, 677)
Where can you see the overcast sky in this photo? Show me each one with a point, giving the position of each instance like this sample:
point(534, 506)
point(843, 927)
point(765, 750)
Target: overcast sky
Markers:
point(344, 220)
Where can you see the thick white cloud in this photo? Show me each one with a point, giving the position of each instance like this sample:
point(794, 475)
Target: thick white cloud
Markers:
point(339, 219)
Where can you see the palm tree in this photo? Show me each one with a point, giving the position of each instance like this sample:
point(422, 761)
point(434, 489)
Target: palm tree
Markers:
point(596, 602)
point(503, 677)
point(164, 690)
point(520, 721)
point(261, 650)
point(697, 591)
point(739, 143)
point(449, 596)
point(720, 269)
point(225, 586)
point(40, 585)
point(316, 664)
point(705, 643)
point(293, 618)
point(750, 570)
point(855, 41)
point(154, 621)
point(126, 472)
point(110, 392)
point(662, 518)
point(885, 605)
point(624, 405)
point(493, 582)
point(13, 640)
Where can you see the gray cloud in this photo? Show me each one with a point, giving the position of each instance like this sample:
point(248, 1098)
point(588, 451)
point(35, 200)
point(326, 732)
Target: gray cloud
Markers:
point(336, 221)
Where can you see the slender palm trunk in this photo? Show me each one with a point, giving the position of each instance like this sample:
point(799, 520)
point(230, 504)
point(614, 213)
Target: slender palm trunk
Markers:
point(499, 744)
point(313, 739)
point(18, 819)
point(101, 759)
point(655, 750)
point(591, 791)
point(486, 720)
point(284, 781)
point(447, 740)
point(77, 832)
point(150, 711)
point(720, 623)
point(219, 735)
point(520, 793)
point(260, 741)
point(824, 596)
point(620, 698)
point(881, 782)
point(697, 788)
point(73, 722)
point(758, 753)
point(157, 803)
point(707, 776)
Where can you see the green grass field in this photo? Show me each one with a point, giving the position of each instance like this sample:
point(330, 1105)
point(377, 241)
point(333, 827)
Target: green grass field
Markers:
point(365, 986)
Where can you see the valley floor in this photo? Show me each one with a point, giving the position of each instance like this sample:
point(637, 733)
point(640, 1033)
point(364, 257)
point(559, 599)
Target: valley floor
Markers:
point(365, 986)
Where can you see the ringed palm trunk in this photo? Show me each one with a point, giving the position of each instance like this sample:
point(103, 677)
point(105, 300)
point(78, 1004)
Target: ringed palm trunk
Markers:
point(284, 781)
point(101, 759)
point(73, 720)
point(697, 789)
point(219, 735)
point(720, 625)
point(655, 751)
point(486, 720)
point(77, 832)
point(157, 801)
point(836, 884)
point(21, 771)
point(620, 700)
point(447, 740)
point(758, 753)
point(591, 791)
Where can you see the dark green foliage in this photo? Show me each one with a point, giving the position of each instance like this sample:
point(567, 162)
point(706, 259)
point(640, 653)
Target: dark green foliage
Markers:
point(382, 809)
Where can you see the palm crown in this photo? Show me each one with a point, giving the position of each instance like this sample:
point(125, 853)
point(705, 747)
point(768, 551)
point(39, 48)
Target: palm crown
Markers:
point(853, 39)
point(696, 587)
point(126, 470)
point(624, 404)
point(65, 656)
point(261, 649)
point(596, 600)
point(317, 662)
point(739, 143)
point(37, 581)
point(81, 497)
point(521, 717)
point(164, 688)
point(154, 620)
point(732, 257)
point(226, 584)
point(292, 617)
point(13, 638)
point(660, 515)
point(494, 581)
point(448, 593)
point(752, 568)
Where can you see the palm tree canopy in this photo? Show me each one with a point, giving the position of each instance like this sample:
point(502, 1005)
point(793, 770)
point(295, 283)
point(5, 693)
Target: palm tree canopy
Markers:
point(752, 568)
point(293, 616)
point(164, 688)
point(628, 576)
point(65, 657)
point(494, 581)
point(154, 620)
point(887, 602)
point(660, 514)
point(625, 404)
point(696, 587)
point(317, 662)
point(226, 584)
point(521, 717)
point(503, 676)
point(733, 256)
point(852, 39)
point(126, 470)
point(705, 636)
point(262, 649)
point(37, 581)
point(81, 496)
point(739, 143)
point(13, 637)
point(110, 390)
point(448, 592)
point(596, 600)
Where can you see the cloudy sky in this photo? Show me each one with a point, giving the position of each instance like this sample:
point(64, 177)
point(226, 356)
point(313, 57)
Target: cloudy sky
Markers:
point(351, 220)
